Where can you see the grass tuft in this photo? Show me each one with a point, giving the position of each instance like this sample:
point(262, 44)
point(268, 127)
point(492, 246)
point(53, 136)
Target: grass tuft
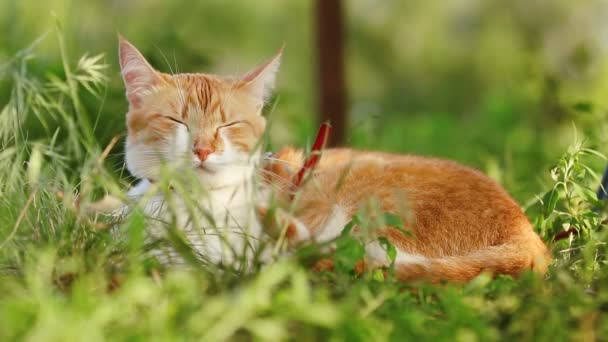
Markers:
point(69, 273)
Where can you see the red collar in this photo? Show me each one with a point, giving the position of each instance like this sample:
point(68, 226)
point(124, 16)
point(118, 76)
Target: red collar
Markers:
point(314, 157)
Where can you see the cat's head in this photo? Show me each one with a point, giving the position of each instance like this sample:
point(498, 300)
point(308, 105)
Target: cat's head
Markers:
point(209, 123)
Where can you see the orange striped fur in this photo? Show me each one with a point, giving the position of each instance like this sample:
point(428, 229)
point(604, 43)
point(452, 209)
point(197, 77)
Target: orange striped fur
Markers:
point(461, 222)
point(214, 110)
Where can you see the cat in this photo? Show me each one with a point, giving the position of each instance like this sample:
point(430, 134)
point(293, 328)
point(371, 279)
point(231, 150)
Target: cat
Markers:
point(458, 222)
point(207, 125)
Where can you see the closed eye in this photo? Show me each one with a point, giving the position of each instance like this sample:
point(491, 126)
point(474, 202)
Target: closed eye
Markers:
point(177, 121)
point(232, 124)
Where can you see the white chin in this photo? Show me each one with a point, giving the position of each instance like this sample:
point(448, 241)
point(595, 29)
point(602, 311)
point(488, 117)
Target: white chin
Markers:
point(216, 178)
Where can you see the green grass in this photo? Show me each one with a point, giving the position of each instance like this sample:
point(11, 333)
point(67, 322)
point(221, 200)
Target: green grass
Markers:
point(67, 273)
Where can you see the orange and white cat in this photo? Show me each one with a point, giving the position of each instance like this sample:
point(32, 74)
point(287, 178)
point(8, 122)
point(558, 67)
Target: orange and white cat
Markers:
point(461, 222)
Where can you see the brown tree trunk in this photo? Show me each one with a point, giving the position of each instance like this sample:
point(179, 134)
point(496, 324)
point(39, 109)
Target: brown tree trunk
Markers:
point(330, 47)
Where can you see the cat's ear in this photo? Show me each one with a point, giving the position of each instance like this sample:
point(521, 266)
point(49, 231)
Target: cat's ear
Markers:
point(260, 81)
point(139, 76)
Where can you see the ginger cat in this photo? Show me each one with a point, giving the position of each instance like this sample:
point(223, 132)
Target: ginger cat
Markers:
point(462, 222)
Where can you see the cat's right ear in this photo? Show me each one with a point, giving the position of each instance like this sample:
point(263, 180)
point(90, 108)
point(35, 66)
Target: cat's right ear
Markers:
point(139, 76)
point(260, 81)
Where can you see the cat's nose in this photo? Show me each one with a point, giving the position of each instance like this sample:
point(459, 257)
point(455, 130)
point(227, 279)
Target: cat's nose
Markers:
point(202, 153)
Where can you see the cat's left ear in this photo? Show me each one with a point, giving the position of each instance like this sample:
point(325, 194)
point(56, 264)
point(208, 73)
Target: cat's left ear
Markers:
point(138, 75)
point(259, 82)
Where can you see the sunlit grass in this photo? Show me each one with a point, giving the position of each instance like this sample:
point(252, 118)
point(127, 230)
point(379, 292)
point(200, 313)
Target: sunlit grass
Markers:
point(68, 272)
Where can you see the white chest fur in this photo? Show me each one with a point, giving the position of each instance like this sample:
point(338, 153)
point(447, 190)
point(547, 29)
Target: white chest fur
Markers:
point(221, 225)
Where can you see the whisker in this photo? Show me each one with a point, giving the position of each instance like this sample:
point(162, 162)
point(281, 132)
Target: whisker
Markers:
point(277, 188)
point(282, 161)
point(180, 92)
point(278, 177)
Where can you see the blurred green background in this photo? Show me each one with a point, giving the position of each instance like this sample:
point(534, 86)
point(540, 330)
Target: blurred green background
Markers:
point(499, 85)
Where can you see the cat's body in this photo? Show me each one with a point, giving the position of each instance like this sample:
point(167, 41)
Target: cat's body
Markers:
point(462, 223)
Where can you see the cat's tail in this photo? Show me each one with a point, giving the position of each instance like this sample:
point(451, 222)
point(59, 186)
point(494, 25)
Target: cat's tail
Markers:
point(526, 252)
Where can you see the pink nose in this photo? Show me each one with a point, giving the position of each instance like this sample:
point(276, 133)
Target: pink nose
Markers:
point(202, 153)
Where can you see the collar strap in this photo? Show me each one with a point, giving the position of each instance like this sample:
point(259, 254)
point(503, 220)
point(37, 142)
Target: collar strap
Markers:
point(315, 155)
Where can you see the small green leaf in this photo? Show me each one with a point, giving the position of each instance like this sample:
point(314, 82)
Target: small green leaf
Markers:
point(550, 200)
point(393, 220)
point(389, 248)
point(396, 222)
point(348, 252)
point(378, 275)
point(350, 225)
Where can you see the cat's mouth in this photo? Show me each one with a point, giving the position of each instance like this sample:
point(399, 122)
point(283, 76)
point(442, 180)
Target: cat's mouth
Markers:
point(205, 168)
